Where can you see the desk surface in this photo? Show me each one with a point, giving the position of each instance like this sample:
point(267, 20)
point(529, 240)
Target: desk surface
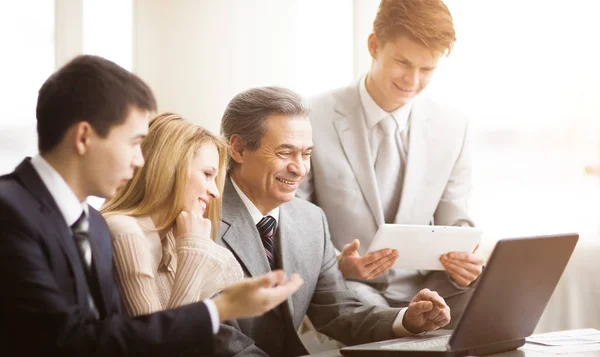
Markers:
point(515, 353)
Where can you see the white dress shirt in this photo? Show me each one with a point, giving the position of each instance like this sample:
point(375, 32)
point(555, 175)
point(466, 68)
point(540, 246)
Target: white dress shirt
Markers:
point(71, 209)
point(68, 204)
point(251, 207)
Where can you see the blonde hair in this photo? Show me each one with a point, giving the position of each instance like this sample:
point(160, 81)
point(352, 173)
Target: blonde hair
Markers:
point(160, 184)
point(429, 21)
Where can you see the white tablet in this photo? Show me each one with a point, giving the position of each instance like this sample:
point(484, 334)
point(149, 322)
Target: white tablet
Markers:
point(420, 247)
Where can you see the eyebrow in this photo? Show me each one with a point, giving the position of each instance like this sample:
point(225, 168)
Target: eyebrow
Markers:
point(404, 59)
point(291, 147)
point(140, 136)
point(211, 169)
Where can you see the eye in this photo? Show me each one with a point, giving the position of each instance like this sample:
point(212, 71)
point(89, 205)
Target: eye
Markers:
point(307, 154)
point(285, 153)
point(209, 174)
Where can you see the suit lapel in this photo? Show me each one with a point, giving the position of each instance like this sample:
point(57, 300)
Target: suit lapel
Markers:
point(416, 162)
point(287, 232)
point(240, 234)
point(352, 132)
point(101, 266)
point(54, 218)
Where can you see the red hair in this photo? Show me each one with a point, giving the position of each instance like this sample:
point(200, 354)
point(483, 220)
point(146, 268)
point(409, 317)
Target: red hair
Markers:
point(429, 21)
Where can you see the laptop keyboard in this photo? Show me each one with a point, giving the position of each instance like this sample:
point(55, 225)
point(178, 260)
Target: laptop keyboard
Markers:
point(434, 343)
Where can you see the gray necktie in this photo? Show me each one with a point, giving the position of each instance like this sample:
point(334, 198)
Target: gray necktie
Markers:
point(388, 168)
point(81, 234)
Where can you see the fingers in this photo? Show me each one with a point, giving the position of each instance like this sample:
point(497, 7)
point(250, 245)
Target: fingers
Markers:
point(463, 267)
point(428, 295)
point(375, 257)
point(381, 266)
point(421, 307)
point(469, 268)
point(462, 276)
point(294, 283)
point(427, 311)
point(280, 293)
point(270, 279)
point(351, 248)
point(462, 256)
point(439, 317)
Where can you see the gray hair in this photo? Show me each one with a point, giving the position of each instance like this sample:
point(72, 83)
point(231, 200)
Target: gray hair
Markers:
point(247, 113)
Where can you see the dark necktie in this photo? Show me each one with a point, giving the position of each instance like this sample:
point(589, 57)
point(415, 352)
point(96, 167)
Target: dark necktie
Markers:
point(81, 234)
point(266, 228)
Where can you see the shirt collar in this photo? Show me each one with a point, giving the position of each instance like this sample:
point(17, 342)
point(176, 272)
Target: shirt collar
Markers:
point(254, 212)
point(65, 198)
point(374, 113)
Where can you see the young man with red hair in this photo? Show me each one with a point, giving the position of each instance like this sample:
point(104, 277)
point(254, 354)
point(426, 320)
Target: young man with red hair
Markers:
point(384, 153)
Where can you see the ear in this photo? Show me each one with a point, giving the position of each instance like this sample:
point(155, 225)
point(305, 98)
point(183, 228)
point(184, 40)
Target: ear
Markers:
point(373, 45)
point(82, 137)
point(236, 147)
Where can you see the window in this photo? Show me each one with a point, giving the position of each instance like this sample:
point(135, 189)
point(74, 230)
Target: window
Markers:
point(527, 75)
point(530, 86)
point(27, 60)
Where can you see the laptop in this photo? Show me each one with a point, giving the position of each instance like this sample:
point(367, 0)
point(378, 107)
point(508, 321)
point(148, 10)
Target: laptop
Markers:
point(505, 306)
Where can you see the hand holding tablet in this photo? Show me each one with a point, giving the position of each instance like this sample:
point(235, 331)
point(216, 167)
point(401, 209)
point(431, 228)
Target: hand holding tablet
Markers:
point(421, 246)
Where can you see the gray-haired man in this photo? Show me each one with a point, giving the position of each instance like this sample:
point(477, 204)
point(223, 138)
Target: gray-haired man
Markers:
point(266, 227)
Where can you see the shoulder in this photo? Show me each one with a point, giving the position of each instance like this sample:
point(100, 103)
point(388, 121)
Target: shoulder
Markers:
point(17, 205)
point(304, 210)
point(12, 193)
point(328, 100)
point(440, 112)
point(122, 224)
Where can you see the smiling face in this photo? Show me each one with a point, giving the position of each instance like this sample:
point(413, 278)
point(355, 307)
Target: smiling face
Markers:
point(270, 175)
point(201, 186)
point(400, 70)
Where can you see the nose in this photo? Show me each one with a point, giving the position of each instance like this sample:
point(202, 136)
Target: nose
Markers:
point(411, 77)
point(299, 167)
point(212, 190)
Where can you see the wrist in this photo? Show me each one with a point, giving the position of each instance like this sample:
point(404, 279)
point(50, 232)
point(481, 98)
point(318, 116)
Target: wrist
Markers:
point(223, 307)
point(408, 326)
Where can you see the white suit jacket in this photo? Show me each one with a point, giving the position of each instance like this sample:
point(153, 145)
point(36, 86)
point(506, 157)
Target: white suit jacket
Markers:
point(436, 184)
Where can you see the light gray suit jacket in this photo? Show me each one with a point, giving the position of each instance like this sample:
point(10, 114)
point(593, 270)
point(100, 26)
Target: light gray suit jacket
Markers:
point(303, 246)
point(436, 184)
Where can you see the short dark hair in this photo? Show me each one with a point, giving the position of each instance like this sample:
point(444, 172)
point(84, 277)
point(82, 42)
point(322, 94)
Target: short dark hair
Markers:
point(91, 89)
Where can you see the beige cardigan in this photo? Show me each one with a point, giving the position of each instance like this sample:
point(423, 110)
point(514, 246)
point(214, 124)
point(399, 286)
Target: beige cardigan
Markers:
point(156, 274)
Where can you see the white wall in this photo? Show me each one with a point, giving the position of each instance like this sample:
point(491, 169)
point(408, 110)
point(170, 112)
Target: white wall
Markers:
point(197, 55)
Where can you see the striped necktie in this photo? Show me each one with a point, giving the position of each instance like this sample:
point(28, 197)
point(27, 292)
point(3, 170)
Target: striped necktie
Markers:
point(81, 234)
point(266, 228)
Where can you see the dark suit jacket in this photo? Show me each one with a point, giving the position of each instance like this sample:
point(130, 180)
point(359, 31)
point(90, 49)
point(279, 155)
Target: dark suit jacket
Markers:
point(302, 246)
point(43, 296)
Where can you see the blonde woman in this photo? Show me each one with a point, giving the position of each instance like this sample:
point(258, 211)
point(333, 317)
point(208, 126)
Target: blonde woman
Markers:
point(164, 249)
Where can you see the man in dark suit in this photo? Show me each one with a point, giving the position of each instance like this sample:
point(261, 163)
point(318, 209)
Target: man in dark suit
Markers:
point(267, 228)
point(58, 294)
